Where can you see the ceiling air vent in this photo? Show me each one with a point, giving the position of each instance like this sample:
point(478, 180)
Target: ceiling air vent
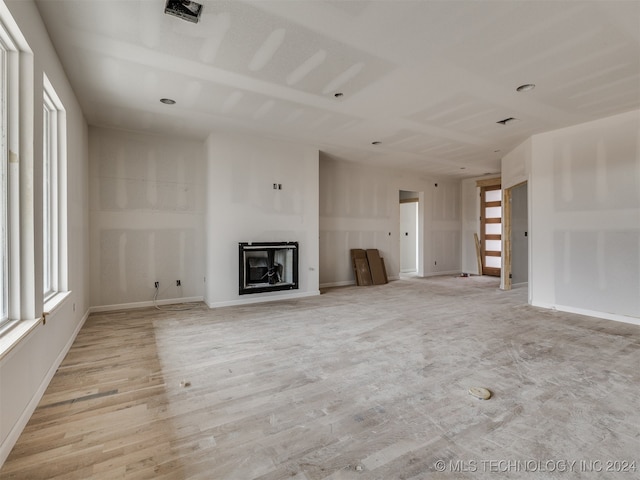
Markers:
point(507, 120)
point(185, 9)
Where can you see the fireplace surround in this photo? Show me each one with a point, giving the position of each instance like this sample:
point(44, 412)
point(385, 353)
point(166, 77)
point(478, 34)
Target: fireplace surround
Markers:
point(267, 266)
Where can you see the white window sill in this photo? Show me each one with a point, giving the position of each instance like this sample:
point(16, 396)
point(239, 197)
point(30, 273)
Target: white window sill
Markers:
point(55, 302)
point(18, 330)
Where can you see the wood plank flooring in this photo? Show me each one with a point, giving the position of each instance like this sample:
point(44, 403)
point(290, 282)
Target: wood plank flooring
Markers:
point(358, 383)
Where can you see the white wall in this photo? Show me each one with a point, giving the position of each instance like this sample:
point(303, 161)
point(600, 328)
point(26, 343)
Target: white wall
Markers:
point(516, 165)
point(242, 206)
point(470, 194)
point(147, 217)
point(442, 225)
point(585, 218)
point(359, 208)
point(26, 370)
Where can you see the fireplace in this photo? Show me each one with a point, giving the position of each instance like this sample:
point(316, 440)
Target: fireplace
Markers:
point(268, 266)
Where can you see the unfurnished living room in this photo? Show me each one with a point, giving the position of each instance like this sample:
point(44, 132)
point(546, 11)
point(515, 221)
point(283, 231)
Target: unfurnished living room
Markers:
point(319, 240)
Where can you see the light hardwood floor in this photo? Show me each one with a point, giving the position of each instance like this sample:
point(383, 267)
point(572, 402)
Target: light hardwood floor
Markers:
point(358, 383)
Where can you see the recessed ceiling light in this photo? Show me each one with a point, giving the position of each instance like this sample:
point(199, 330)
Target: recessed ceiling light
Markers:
point(376, 143)
point(496, 151)
point(527, 87)
point(338, 94)
point(168, 101)
point(463, 168)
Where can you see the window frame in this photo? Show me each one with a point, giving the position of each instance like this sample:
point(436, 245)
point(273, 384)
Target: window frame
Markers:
point(49, 200)
point(4, 225)
point(8, 204)
point(53, 189)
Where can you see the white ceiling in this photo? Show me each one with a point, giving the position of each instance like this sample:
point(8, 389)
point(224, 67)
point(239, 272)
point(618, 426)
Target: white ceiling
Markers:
point(428, 79)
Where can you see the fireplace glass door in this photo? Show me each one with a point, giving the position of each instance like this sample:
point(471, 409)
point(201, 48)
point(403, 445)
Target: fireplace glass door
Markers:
point(268, 266)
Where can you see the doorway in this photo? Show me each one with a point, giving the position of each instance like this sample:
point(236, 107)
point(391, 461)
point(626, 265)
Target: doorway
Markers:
point(409, 232)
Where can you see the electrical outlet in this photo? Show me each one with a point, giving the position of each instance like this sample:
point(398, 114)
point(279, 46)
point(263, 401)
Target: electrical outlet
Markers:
point(156, 284)
point(178, 283)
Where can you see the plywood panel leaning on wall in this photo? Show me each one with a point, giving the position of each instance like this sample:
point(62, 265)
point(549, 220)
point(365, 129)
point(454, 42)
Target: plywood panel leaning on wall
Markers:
point(376, 265)
point(361, 267)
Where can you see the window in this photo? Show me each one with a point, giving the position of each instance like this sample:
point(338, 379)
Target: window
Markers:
point(4, 223)
point(52, 161)
point(8, 196)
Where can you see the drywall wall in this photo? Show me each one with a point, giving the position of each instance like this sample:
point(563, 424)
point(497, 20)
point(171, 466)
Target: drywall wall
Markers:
point(359, 208)
point(470, 194)
point(147, 218)
point(243, 206)
point(585, 218)
point(442, 227)
point(404, 195)
point(516, 165)
point(27, 369)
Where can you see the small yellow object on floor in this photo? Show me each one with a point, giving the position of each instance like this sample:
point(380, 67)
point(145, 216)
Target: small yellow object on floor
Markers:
point(480, 392)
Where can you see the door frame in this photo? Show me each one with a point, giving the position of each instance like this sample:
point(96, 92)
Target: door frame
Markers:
point(417, 223)
point(507, 195)
point(419, 226)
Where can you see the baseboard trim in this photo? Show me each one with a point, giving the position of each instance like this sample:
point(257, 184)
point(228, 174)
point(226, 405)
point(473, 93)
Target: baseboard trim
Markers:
point(344, 283)
point(347, 283)
point(18, 427)
point(590, 313)
point(150, 303)
point(249, 301)
point(439, 274)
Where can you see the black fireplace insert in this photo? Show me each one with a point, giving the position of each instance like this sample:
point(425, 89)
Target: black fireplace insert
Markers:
point(267, 266)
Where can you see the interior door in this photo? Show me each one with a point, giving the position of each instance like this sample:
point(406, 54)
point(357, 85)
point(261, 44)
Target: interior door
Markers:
point(491, 229)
